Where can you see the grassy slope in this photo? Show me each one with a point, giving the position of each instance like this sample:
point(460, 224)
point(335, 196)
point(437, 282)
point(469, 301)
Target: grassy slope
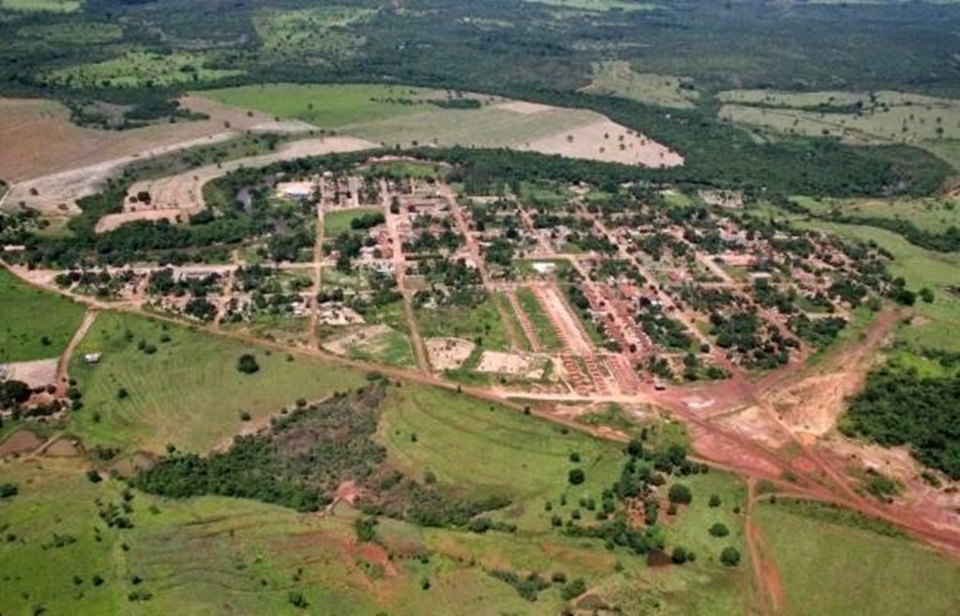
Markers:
point(829, 570)
point(189, 392)
point(28, 315)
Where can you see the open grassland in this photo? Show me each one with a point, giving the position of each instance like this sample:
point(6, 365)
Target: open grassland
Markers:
point(600, 5)
point(141, 69)
point(41, 6)
point(328, 106)
point(934, 215)
point(830, 569)
point(388, 347)
point(880, 117)
point(310, 34)
point(337, 222)
point(188, 392)
point(617, 78)
point(34, 324)
point(920, 268)
point(480, 322)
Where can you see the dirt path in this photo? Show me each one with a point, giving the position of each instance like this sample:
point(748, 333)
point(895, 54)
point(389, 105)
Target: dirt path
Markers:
point(64, 363)
point(317, 276)
point(400, 273)
point(767, 585)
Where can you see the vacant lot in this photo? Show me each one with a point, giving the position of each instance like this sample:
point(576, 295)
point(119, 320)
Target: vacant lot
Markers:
point(34, 324)
point(188, 392)
point(831, 569)
point(337, 222)
point(480, 324)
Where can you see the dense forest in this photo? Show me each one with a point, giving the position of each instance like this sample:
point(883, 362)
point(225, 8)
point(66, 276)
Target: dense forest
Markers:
point(901, 407)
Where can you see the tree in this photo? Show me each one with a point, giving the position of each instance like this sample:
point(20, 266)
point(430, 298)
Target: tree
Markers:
point(8, 490)
point(94, 476)
point(679, 555)
point(13, 393)
point(247, 364)
point(680, 494)
point(576, 476)
point(926, 295)
point(714, 501)
point(719, 530)
point(297, 599)
point(730, 557)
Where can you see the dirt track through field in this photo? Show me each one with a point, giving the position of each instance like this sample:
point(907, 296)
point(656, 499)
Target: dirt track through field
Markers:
point(64, 364)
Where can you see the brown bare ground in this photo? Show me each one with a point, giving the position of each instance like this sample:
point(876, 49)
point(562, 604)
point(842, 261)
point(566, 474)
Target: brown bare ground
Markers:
point(511, 363)
point(21, 441)
point(814, 404)
point(62, 448)
point(448, 353)
point(607, 141)
point(37, 373)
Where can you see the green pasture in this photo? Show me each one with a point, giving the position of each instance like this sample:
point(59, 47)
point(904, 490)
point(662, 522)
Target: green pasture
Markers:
point(34, 324)
point(142, 68)
point(338, 221)
point(189, 391)
point(933, 214)
point(830, 569)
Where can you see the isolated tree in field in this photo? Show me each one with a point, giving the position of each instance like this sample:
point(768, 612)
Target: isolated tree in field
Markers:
point(714, 501)
point(719, 530)
point(576, 476)
point(680, 494)
point(730, 557)
point(247, 364)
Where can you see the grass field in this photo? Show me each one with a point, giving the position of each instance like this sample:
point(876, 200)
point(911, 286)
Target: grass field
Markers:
point(41, 6)
point(829, 569)
point(339, 221)
point(542, 327)
point(402, 114)
point(311, 35)
point(140, 68)
point(885, 116)
point(934, 215)
point(189, 392)
point(34, 324)
point(504, 306)
point(617, 78)
point(482, 321)
point(391, 347)
point(328, 105)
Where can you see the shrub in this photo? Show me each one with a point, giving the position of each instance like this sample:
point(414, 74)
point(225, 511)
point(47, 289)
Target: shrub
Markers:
point(715, 501)
point(94, 476)
point(247, 364)
point(680, 494)
point(8, 490)
point(574, 589)
point(679, 555)
point(575, 457)
point(730, 557)
point(576, 476)
point(296, 599)
point(719, 530)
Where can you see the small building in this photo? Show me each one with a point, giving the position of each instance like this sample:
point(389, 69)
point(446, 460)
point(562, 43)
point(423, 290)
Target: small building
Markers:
point(92, 358)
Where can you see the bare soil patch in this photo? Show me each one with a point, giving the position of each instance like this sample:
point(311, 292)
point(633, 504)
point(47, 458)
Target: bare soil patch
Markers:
point(607, 141)
point(448, 353)
point(21, 441)
point(63, 448)
point(37, 373)
point(814, 404)
point(757, 425)
point(525, 108)
point(526, 366)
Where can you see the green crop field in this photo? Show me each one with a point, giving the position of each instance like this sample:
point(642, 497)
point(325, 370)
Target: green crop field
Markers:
point(35, 324)
point(328, 105)
point(830, 569)
point(617, 78)
point(189, 391)
point(337, 222)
